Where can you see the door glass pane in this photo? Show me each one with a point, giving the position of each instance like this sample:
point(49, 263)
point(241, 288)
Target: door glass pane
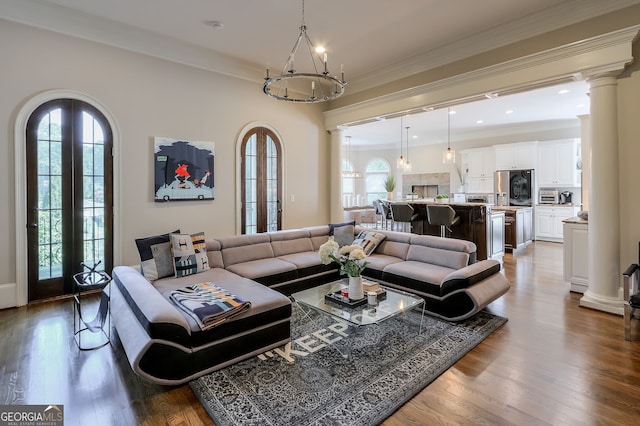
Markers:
point(49, 195)
point(272, 185)
point(93, 191)
point(251, 186)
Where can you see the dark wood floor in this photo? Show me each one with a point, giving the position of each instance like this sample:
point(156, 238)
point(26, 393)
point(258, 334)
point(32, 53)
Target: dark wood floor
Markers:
point(552, 363)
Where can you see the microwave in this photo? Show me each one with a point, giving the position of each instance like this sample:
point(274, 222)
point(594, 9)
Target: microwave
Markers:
point(548, 196)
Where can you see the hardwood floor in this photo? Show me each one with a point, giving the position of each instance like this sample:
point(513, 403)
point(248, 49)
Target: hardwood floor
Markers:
point(552, 363)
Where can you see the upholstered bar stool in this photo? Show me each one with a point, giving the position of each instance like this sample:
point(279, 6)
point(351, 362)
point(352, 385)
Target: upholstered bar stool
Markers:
point(444, 216)
point(402, 213)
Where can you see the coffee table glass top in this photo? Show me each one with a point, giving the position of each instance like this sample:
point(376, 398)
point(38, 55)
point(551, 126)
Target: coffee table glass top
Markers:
point(395, 303)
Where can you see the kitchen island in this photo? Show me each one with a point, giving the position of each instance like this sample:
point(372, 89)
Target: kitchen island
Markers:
point(478, 223)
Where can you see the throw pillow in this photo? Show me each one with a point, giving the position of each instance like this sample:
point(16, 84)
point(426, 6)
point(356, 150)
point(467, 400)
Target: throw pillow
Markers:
point(342, 232)
point(368, 240)
point(189, 254)
point(154, 258)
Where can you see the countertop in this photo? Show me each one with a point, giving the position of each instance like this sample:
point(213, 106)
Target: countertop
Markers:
point(576, 219)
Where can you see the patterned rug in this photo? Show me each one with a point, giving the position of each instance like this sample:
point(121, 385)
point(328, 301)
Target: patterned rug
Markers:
point(334, 373)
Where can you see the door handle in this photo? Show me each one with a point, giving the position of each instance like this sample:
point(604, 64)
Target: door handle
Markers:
point(32, 225)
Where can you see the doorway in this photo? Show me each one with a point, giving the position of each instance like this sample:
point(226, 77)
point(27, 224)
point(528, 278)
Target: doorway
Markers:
point(69, 183)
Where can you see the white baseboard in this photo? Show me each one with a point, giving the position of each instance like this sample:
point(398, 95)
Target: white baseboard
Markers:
point(8, 295)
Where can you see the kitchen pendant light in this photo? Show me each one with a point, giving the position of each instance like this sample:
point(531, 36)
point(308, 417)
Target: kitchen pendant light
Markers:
point(449, 155)
point(407, 164)
point(401, 162)
point(347, 164)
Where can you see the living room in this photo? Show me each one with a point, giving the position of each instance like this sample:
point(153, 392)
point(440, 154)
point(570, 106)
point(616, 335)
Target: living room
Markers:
point(147, 96)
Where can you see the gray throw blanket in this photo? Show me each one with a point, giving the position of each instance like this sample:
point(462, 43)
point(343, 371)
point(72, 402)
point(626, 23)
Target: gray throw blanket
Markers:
point(208, 304)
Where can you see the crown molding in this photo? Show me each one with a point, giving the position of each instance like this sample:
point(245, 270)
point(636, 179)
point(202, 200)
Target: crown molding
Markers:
point(584, 59)
point(52, 17)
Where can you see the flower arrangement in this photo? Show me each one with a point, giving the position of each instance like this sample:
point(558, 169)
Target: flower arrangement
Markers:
point(350, 258)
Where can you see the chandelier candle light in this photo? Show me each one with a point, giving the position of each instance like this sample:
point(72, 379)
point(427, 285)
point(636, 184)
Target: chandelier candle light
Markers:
point(308, 87)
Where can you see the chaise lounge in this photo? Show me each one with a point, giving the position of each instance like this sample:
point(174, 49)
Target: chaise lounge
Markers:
point(165, 346)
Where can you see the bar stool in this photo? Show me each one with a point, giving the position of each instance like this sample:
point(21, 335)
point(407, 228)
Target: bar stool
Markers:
point(402, 213)
point(386, 213)
point(631, 303)
point(445, 216)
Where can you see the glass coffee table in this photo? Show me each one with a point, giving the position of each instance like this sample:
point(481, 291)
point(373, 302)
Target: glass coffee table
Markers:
point(395, 303)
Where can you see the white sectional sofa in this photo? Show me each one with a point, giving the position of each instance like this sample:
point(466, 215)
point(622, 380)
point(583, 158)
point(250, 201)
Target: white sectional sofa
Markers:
point(165, 346)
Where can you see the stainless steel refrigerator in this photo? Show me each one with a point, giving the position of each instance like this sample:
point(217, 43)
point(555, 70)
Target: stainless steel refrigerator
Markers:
point(514, 187)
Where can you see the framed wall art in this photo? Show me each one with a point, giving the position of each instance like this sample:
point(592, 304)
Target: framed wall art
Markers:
point(183, 170)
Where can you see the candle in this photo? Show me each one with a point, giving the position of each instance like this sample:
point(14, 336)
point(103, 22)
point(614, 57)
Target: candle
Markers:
point(313, 85)
point(325, 58)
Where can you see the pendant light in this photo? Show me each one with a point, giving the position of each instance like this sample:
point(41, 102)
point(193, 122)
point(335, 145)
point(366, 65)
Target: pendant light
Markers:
point(407, 164)
point(349, 173)
point(449, 155)
point(401, 162)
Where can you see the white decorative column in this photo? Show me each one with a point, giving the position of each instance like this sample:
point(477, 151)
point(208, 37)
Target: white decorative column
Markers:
point(604, 231)
point(336, 213)
point(585, 149)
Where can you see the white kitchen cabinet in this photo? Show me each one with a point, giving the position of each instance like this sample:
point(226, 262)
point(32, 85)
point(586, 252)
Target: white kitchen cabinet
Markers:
point(549, 221)
point(516, 156)
point(478, 163)
point(576, 254)
point(478, 168)
point(479, 185)
point(558, 163)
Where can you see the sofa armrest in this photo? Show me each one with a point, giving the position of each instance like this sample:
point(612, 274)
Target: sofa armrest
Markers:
point(469, 275)
point(155, 313)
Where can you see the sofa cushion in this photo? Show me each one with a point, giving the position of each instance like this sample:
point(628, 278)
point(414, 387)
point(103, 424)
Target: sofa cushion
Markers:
point(245, 248)
point(189, 253)
point(319, 235)
point(266, 306)
point(308, 263)
point(214, 254)
point(342, 233)
point(265, 271)
point(446, 258)
point(156, 260)
point(424, 277)
point(369, 240)
point(291, 241)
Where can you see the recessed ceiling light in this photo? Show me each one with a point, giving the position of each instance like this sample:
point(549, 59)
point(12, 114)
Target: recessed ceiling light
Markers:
point(453, 111)
point(215, 24)
point(415, 136)
point(509, 111)
point(479, 121)
point(563, 92)
point(319, 49)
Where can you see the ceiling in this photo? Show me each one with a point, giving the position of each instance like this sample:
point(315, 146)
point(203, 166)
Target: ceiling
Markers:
point(375, 41)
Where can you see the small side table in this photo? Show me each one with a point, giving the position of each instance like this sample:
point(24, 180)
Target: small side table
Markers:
point(84, 282)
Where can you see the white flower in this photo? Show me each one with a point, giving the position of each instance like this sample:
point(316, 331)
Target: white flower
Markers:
point(327, 249)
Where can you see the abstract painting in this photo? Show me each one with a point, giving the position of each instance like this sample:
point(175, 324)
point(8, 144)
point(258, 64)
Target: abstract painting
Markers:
point(183, 170)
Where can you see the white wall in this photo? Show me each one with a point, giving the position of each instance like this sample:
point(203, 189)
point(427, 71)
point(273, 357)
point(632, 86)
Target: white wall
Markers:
point(151, 97)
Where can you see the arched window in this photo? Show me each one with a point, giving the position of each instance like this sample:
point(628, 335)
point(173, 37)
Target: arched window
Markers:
point(69, 195)
point(261, 181)
point(376, 172)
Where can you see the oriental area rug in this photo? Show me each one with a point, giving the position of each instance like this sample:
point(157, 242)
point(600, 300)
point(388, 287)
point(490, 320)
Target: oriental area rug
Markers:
point(334, 373)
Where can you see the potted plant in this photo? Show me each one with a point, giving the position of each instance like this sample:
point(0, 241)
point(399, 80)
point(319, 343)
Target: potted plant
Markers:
point(442, 198)
point(390, 185)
